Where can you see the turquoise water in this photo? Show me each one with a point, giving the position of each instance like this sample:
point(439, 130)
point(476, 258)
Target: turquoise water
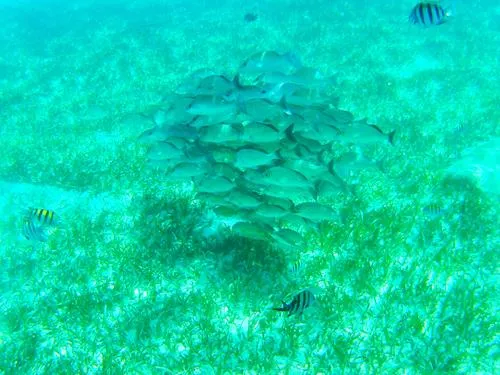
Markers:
point(128, 283)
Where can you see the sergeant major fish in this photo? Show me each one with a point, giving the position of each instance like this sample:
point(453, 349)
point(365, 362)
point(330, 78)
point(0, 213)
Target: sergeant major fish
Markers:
point(428, 14)
point(32, 231)
point(42, 216)
point(299, 303)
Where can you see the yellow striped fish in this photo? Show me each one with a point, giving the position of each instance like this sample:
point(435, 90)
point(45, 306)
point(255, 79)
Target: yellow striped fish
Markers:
point(42, 215)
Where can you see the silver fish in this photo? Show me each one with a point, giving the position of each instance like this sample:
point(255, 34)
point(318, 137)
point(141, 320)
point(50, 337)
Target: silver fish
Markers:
point(253, 231)
point(316, 212)
point(211, 106)
point(243, 199)
point(192, 83)
point(188, 169)
point(214, 85)
point(290, 236)
point(253, 158)
point(361, 132)
point(220, 134)
point(311, 169)
point(303, 77)
point(270, 61)
point(281, 176)
point(216, 184)
point(163, 151)
point(260, 133)
point(270, 211)
point(310, 98)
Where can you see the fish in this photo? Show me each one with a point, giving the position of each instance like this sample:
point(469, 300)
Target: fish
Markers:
point(284, 203)
point(260, 110)
point(187, 169)
point(191, 84)
point(253, 158)
point(226, 211)
point(321, 133)
point(42, 216)
point(260, 133)
point(310, 98)
point(303, 77)
point(250, 17)
point(243, 199)
point(243, 93)
point(270, 61)
point(214, 185)
point(211, 105)
point(295, 194)
point(224, 155)
point(270, 211)
point(428, 14)
point(32, 231)
point(299, 303)
point(433, 210)
point(295, 266)
point(221, 134)
point(254, 231)
point(215, 85)
point(281, 176)
point(311, 169)
point(316, 212)
point(362, 133)
point(163, 151)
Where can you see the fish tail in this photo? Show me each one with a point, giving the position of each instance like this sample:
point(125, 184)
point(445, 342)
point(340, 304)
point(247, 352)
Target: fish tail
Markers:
point(293, 59)
point(236, 81)
point(391, 137)
point(241, 105)
point(289, 134)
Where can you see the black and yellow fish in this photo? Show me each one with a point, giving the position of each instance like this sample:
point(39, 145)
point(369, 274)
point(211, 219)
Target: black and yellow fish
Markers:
point(37, 223)
point(299, 303)
point(42, 215)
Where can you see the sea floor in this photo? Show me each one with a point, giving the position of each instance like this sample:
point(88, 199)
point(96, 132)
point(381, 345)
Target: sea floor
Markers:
point(129, 283)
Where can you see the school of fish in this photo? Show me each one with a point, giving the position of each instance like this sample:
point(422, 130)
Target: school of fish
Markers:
point(259, 146)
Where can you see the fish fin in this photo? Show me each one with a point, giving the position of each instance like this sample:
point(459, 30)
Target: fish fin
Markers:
point(289, 133)
point(375, 127)
point(284, 106)
point(293, 59)
point(241, 106)
point(322, 157)
point(257, 79)
point(335, 101)
point(236, 81)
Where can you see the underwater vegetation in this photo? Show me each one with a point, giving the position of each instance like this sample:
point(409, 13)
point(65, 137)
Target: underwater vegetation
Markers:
point(152, 269)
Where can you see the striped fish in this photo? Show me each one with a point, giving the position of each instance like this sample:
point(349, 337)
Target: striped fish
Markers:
point(433, 210)
point(42, 216)
point(298, 304)
point(428, 14)
point(32, 231)
point(296, 267)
